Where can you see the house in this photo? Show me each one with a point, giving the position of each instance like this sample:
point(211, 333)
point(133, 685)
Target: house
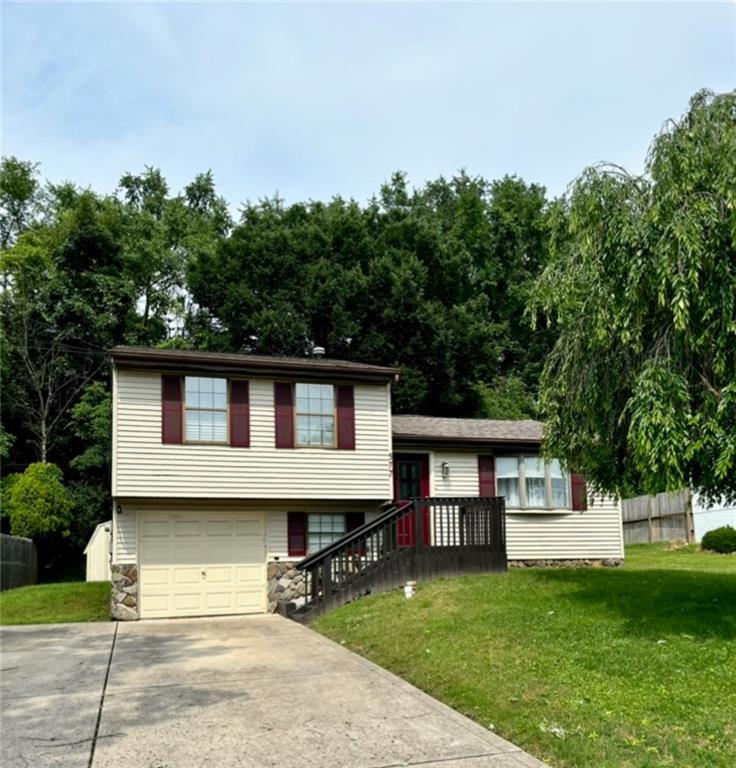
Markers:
point(97, 553)
point(229, 469)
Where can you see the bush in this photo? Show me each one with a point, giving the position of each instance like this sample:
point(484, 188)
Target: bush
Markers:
point(721, 540)
point(38, 502)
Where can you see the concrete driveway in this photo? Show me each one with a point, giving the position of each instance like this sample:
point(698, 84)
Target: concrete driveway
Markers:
point(251, 691)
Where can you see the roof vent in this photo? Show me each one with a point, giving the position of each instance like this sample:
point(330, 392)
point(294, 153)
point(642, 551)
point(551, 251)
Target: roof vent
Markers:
point(318, 352)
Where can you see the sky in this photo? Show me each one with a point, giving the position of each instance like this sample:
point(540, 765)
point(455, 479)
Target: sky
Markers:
point(312, 100)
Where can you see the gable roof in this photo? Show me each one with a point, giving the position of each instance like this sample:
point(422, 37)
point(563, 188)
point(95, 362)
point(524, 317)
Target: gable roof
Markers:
point(186, 360)
point(434, 428)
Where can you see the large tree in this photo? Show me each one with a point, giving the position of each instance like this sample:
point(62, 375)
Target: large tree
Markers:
point(82, 272)
point(434, 280)
point(640, 389)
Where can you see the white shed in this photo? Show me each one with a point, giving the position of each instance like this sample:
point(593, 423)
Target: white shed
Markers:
point(98, 551)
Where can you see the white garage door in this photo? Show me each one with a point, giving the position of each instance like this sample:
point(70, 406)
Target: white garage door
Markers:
point(201, 564)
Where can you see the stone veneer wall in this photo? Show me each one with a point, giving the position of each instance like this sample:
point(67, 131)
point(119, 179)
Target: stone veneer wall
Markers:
point(124, 597)
point(285, 585)
point(586, 563)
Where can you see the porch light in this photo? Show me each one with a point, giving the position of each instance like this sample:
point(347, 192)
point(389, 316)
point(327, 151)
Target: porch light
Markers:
point(445, 466)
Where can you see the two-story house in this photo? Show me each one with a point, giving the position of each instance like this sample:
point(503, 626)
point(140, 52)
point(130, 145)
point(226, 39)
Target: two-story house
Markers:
point(227, 469)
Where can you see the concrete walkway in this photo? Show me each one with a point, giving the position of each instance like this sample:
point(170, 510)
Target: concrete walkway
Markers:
point(252, 691)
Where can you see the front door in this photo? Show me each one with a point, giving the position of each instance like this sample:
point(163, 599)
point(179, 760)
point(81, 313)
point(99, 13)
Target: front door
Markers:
point(411, 480)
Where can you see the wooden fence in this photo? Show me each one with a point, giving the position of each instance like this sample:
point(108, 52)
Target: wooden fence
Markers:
point(18, 562)
point(664, 517)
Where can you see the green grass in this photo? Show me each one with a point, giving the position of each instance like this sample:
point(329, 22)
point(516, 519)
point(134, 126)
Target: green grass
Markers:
point(610, 668)
point(56, 603)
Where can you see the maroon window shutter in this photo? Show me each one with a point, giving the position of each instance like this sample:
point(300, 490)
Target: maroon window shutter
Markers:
point(297, 534)
point(239, 414)
point(354, 520)
point(171, 409)
point(486, 476)
point(579, 492)
point(346, 418)
point(283, 396)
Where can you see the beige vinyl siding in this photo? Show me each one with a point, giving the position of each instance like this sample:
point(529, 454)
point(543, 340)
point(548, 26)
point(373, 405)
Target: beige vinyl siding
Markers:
point(595, 533)
point(562, 535)
point(146, 468)
point(125, 532)
point(463, 477)
point(125, 537)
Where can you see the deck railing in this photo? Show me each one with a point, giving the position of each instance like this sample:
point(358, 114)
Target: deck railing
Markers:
point(420, 539)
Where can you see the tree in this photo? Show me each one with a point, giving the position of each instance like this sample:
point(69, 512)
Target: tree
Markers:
point(39, 504)
point(640, 390)
point(433, 280)
point(70, 300)
point(19, 198)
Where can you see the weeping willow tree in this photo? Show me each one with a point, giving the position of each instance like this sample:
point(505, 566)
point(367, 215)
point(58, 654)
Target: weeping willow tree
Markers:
point(640, 389)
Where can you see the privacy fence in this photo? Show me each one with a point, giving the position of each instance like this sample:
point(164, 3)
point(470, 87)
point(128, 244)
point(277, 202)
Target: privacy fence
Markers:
point(664, 517)
point(18, 562)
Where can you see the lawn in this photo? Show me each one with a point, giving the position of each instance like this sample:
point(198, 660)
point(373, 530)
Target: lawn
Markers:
point(52, 603)
point(634, 666)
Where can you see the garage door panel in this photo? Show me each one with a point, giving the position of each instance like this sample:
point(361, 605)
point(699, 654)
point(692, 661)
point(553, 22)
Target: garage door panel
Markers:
point(248, 528)
point(183, 601)
point(219, 528)
point(187, 528)
point(219, 574)
point(192, 565)
point(220, 554)
point(186, 576)
point(154, 577)
point(246, 573)
point(155, 553)
point(158, 603)
point(248, 601)
point(219, 601)
point(155, 528)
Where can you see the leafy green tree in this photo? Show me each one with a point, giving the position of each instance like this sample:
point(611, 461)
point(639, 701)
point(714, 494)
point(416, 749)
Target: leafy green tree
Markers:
point(506, 398)
point(433, 280)
point(91, 424)
point(70, 301)
point(640, 389)
point(19, 198)
point(39, 504)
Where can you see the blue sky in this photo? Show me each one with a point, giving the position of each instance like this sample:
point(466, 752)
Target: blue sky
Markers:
point(313, 100)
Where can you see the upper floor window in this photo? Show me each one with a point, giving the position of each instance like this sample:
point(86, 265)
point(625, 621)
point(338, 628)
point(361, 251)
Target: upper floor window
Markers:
point(315, 415)
point(205, 407)
point(530, 482)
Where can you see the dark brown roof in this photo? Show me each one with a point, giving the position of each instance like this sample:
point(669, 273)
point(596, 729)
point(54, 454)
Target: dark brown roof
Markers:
point(256, 365)
point(433, 428)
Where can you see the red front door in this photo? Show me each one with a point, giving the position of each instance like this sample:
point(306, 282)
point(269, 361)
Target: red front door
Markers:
point(411, 480)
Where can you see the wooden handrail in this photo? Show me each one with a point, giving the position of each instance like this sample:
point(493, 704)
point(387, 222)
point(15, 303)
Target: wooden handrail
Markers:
point(398, 510)
point(418, 539)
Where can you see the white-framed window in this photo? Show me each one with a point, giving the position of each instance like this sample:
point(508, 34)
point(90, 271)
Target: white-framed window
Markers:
point(205, 409)
point(507, 480)
point(530, 482)
point(315, 415)
point(322, 530)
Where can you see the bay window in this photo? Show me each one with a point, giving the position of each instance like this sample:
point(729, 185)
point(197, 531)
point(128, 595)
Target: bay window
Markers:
point(507, 480)
point(530, 482)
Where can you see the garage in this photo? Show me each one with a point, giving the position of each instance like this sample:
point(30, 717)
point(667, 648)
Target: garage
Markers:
point(201, 564)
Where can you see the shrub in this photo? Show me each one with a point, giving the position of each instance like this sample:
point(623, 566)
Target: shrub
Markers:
point(38, 502)
point(720, 540)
